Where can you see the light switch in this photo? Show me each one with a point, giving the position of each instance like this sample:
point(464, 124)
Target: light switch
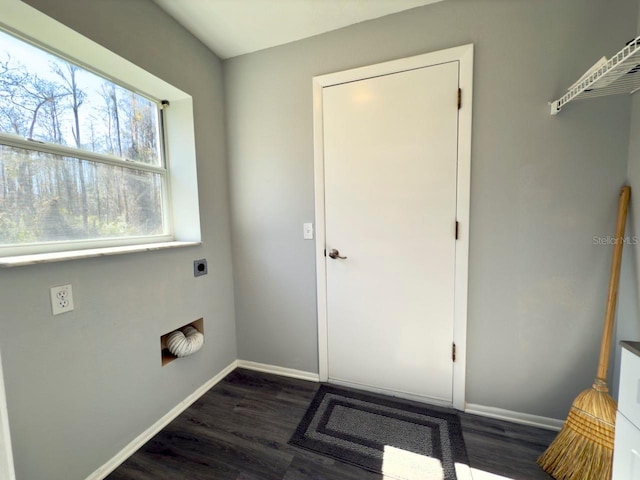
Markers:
point(307, 231)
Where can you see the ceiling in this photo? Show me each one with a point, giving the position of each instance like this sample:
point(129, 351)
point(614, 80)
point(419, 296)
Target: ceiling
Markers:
point(235, 27)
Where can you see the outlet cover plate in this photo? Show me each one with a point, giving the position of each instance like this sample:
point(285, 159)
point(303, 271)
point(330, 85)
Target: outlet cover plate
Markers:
point(61, 299)
point(200, 267)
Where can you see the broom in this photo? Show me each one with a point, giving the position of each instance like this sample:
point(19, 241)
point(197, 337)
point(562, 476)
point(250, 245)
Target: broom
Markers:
point(583, 449)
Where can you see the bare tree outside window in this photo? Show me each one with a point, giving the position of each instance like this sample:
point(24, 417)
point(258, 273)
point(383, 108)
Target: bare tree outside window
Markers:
point(79, 155)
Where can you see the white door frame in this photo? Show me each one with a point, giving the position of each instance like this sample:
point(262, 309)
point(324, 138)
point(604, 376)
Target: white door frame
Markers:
point(463, 55)
point(6, 456)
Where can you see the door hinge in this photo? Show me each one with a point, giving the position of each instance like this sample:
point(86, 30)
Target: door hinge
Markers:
point(457, 229)
point(325, 252)
point(453, 352)
point(459, 98)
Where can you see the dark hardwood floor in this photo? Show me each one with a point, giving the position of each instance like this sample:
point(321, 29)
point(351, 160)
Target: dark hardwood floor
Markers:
point(239, 431)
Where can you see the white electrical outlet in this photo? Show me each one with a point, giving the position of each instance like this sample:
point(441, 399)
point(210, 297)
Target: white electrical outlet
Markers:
point(61, 299)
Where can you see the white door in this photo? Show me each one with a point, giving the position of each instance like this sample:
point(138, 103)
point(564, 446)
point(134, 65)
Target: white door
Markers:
point(390, 174)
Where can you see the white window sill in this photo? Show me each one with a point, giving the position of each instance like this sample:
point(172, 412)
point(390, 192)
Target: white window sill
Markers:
point(89, 253)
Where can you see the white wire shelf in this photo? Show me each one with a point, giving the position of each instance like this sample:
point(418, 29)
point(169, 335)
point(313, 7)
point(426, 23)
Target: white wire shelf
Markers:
point(621, 74)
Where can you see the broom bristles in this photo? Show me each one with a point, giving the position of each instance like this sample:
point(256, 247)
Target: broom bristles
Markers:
point(583, 449)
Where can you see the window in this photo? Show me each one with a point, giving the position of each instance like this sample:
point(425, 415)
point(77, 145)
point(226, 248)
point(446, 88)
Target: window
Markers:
point(83, 157)
point(49, 194)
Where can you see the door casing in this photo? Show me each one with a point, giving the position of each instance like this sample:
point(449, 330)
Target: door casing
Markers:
point(6, 456)
point(463, 55)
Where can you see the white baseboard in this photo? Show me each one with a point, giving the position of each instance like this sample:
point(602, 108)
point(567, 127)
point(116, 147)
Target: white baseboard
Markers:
point(145, 436)
point(282, 371)
point(491, 412)
point(515, 417)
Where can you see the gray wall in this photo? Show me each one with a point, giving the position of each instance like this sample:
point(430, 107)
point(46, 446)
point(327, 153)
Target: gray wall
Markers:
point(80, 386)
point(542, 187)
point(628, 317)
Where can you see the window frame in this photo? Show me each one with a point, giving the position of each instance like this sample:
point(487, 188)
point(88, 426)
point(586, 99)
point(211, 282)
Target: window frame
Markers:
point(175, 125)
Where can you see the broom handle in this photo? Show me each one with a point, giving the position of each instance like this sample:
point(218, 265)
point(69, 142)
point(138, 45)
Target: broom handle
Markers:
point(605, 346)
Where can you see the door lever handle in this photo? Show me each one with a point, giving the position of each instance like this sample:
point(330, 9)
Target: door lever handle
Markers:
point(333, 253)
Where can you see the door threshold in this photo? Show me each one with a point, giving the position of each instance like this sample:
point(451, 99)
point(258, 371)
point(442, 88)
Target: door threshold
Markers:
point(392, 393)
